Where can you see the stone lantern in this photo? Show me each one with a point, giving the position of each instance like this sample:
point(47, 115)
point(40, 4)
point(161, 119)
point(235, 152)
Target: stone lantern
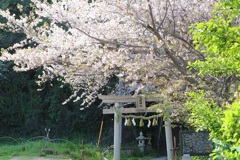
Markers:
point(141, 141)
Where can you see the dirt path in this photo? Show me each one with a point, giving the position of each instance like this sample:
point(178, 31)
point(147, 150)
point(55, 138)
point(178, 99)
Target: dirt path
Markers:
point(38, 158)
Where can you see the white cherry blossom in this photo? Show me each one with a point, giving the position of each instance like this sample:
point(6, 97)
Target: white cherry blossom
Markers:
point(142, 41)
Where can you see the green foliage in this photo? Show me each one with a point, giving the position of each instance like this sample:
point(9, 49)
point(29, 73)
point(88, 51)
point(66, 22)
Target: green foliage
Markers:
point(228, 141)
point(200, 157)
point(26, 111)
point(219, 39)
point(223, 124)
point(9, 4)
point(7, 38)
point(202, 109)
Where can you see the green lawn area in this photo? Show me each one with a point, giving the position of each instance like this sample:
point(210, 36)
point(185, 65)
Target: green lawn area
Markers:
point(61, 149)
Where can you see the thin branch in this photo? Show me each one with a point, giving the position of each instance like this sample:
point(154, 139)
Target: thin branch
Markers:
point(192, 48)
point(173, 16)
point(151, 15)
point(165, 15)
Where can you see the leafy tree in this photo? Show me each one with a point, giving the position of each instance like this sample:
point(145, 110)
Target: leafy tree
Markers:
point(218, 39)
point(221, 121)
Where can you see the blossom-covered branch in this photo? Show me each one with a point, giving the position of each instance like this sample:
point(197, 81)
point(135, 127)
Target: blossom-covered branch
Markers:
point(141, 41)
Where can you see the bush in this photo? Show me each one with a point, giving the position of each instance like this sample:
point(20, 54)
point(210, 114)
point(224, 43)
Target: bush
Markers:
point(222, 123)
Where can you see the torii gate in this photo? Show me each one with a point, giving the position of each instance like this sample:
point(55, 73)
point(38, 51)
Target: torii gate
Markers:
point(140, 101)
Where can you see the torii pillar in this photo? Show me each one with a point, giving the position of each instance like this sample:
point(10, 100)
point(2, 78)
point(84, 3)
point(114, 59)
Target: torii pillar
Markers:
point(141, 108)
point(117, 134)
point(169, 141)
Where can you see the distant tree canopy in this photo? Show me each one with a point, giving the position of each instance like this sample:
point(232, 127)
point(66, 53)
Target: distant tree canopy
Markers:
point(24, 111)
point(8, 38)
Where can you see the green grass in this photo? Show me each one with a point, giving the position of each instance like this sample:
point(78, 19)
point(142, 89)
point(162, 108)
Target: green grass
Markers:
point(65, 149)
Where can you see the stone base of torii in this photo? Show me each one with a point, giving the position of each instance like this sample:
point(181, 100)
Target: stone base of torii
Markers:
point(140, 108)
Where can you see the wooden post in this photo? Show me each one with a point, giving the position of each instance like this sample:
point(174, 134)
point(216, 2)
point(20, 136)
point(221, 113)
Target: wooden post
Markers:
point(117, 130)
point(175, 148)
point(169, 141)
point(100, 133)
point(101, 155)
point(82, 150)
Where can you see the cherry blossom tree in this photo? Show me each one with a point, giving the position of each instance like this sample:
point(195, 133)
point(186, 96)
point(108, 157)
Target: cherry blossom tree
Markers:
point(143, 42)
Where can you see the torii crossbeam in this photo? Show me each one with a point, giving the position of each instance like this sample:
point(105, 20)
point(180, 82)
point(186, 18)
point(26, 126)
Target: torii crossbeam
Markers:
point(139, 100)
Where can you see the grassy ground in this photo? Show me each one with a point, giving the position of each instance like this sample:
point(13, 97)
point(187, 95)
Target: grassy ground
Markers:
point(61, 149)
point(37, 148)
